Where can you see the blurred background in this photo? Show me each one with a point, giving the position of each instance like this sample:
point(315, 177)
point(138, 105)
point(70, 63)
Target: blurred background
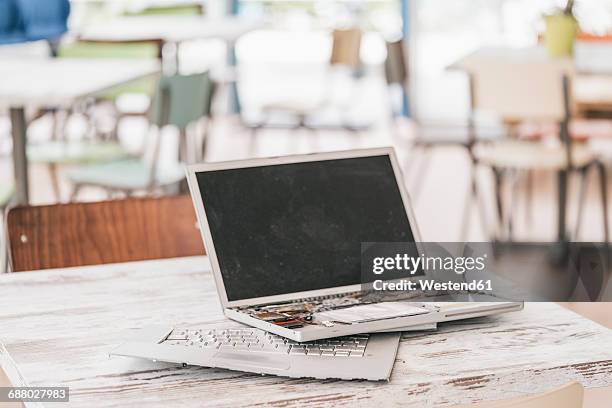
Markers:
point(498, 109)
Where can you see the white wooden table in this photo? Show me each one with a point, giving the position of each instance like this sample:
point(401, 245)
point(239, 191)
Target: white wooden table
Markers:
point(56, 328)
point(56, 82)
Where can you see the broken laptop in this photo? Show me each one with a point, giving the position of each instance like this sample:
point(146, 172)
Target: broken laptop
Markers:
point(284, 236)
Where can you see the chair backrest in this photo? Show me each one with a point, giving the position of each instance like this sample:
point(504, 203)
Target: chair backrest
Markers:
point(567, 396)
point(518, 90)
point(172, 10)
point(396, 64)
point(10, 29)
point(346, 44)
point(78, 234)
point(189, 99)
point(100, 49)
point(179, 101)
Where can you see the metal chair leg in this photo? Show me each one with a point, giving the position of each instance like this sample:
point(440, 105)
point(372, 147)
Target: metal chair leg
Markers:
point(205, 136)
point(529, 197)
point(55, 181)
point(3, 245)
point(512, 203)
point(581, 199)
point(75, 192)
point(481, 207)
point(603, 183)
point(467, 215)
point(4, 263)
point(183, 148)
point(499, 207)
point(473, 194)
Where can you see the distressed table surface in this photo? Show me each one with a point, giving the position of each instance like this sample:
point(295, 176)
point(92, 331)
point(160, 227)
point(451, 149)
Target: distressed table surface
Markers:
point(56, 328)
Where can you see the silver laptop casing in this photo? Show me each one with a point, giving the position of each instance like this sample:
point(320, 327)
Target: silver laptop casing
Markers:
point(375, 365)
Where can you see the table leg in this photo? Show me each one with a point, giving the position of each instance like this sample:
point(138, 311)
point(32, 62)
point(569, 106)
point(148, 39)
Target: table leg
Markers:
point(20, 160)
point(177, 57)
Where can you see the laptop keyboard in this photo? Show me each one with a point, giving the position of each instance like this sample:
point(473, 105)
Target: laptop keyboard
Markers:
point(259, 341)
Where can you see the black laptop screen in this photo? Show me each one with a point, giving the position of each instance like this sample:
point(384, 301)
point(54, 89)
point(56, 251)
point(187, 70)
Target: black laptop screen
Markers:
point(290, 228)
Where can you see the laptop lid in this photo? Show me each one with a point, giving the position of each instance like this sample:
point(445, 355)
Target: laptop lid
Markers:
point(285, 228)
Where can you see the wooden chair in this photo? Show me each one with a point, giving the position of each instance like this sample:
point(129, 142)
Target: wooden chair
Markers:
point(428, 135)
point(567, 396)
point(78, 234)
point(537, 91)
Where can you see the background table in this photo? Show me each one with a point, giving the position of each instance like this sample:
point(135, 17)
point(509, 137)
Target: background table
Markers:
point(168, 29)
point(592, 89)
point(58, 326)
point(56, 83)
point(174, 30)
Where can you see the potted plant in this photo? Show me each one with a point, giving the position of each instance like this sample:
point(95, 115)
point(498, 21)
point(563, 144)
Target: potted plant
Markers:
point(560, 33)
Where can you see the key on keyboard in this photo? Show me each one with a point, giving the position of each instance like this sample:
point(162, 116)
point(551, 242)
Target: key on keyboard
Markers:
point(258, 341)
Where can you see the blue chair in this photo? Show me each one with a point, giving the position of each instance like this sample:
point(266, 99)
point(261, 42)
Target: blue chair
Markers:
point(44, 20)
point(32, 20)
point(11, 29)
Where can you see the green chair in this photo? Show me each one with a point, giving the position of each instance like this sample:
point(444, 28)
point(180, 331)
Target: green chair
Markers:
point(180, 101)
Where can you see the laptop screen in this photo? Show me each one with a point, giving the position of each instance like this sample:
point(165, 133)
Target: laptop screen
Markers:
point(297, 227)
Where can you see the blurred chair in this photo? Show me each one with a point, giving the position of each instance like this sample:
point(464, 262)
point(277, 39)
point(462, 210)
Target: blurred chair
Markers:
point(181, 100)
point(11, 31)
point(78, 234)
point(532, 91)
point(61, 151)
point(75, 152)
point(568, 396)
point(141, 90)
point(180, 10)
point(428, 135)
point(46, 20)
point(31, 20)
point(346, 46)
point(397, 65)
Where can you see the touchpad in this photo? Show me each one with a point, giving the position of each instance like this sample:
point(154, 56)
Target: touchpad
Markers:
point(252, 360)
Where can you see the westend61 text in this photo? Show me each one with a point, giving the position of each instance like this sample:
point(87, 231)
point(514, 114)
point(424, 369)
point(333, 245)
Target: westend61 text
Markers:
point(428, 285)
